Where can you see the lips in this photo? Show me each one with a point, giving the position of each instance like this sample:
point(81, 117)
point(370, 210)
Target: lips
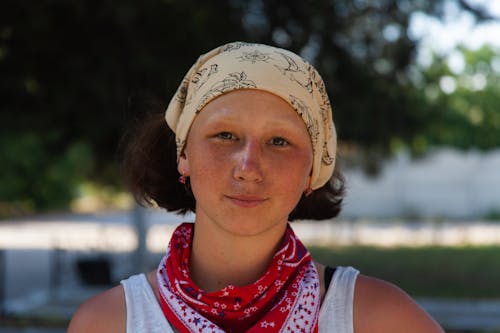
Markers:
point(246, 201)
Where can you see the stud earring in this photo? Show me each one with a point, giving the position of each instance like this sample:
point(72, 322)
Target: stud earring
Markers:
point(182, 179)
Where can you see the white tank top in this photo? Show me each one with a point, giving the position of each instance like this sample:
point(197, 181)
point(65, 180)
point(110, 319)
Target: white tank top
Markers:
point(144, 314)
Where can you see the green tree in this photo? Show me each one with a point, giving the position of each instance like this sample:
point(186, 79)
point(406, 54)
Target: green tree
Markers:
point(463, 107)
point(80, 72)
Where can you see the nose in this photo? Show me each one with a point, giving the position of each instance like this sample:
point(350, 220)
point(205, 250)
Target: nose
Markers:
point(248, 165)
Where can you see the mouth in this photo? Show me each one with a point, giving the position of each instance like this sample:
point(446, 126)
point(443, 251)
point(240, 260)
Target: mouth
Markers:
point(246, 201)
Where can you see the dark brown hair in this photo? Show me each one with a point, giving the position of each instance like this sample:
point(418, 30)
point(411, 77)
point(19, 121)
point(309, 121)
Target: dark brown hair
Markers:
point(150, 167)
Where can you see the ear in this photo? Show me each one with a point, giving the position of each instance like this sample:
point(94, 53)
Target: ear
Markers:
point(183, 165)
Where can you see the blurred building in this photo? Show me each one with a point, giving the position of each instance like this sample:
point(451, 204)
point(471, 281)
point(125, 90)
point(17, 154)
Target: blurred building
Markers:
point(444, 183)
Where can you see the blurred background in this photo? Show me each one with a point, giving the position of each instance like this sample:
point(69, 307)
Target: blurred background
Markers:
point(415, 88)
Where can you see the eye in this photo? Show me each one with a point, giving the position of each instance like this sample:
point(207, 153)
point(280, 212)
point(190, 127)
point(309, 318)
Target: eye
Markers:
point(226, 136)
point(278, 141)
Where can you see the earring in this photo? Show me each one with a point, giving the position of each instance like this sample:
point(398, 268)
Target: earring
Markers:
point(308, 191)
point(182, 179)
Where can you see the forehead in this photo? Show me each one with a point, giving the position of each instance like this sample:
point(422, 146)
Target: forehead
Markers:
point(250, 103)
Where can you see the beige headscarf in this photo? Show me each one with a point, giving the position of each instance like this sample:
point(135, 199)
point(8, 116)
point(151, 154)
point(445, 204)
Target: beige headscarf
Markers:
point(242, 65)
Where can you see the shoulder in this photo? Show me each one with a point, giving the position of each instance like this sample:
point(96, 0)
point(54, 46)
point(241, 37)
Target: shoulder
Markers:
point(380, 306)
point(105, 312)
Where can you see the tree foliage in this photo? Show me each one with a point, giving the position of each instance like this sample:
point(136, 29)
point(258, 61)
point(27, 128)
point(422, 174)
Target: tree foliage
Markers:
point(463, 107)
point(78, 73)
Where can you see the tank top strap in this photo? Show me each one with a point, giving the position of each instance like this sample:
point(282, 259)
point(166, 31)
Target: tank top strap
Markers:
point(336, 314)
point(144, 314)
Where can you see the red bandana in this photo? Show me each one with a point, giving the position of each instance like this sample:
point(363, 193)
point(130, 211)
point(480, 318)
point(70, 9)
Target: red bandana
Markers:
point(285, 299)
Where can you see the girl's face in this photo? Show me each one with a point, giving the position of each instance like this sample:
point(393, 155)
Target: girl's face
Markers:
point(249, 157)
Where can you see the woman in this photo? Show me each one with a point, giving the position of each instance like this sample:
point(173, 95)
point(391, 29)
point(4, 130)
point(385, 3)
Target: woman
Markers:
point(254, 148)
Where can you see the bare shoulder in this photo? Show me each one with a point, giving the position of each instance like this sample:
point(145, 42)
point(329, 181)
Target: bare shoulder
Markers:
point(105, 312)
point(380, 306)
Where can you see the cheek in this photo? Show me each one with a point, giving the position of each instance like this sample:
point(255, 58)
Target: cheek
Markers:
point(294, 171)
point(207, 163)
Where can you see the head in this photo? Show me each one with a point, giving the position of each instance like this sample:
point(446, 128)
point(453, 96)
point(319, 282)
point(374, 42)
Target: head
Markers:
point(258, 97)
point(238, 66)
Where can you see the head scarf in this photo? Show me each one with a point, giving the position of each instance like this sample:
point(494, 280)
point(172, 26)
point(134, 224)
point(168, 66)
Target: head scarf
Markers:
point(242, 65)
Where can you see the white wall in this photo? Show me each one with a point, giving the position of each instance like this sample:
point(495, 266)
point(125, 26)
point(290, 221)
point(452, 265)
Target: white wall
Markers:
point(445, 183)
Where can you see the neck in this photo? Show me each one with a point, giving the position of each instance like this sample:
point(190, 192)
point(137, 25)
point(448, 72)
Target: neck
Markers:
point(219, 258)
